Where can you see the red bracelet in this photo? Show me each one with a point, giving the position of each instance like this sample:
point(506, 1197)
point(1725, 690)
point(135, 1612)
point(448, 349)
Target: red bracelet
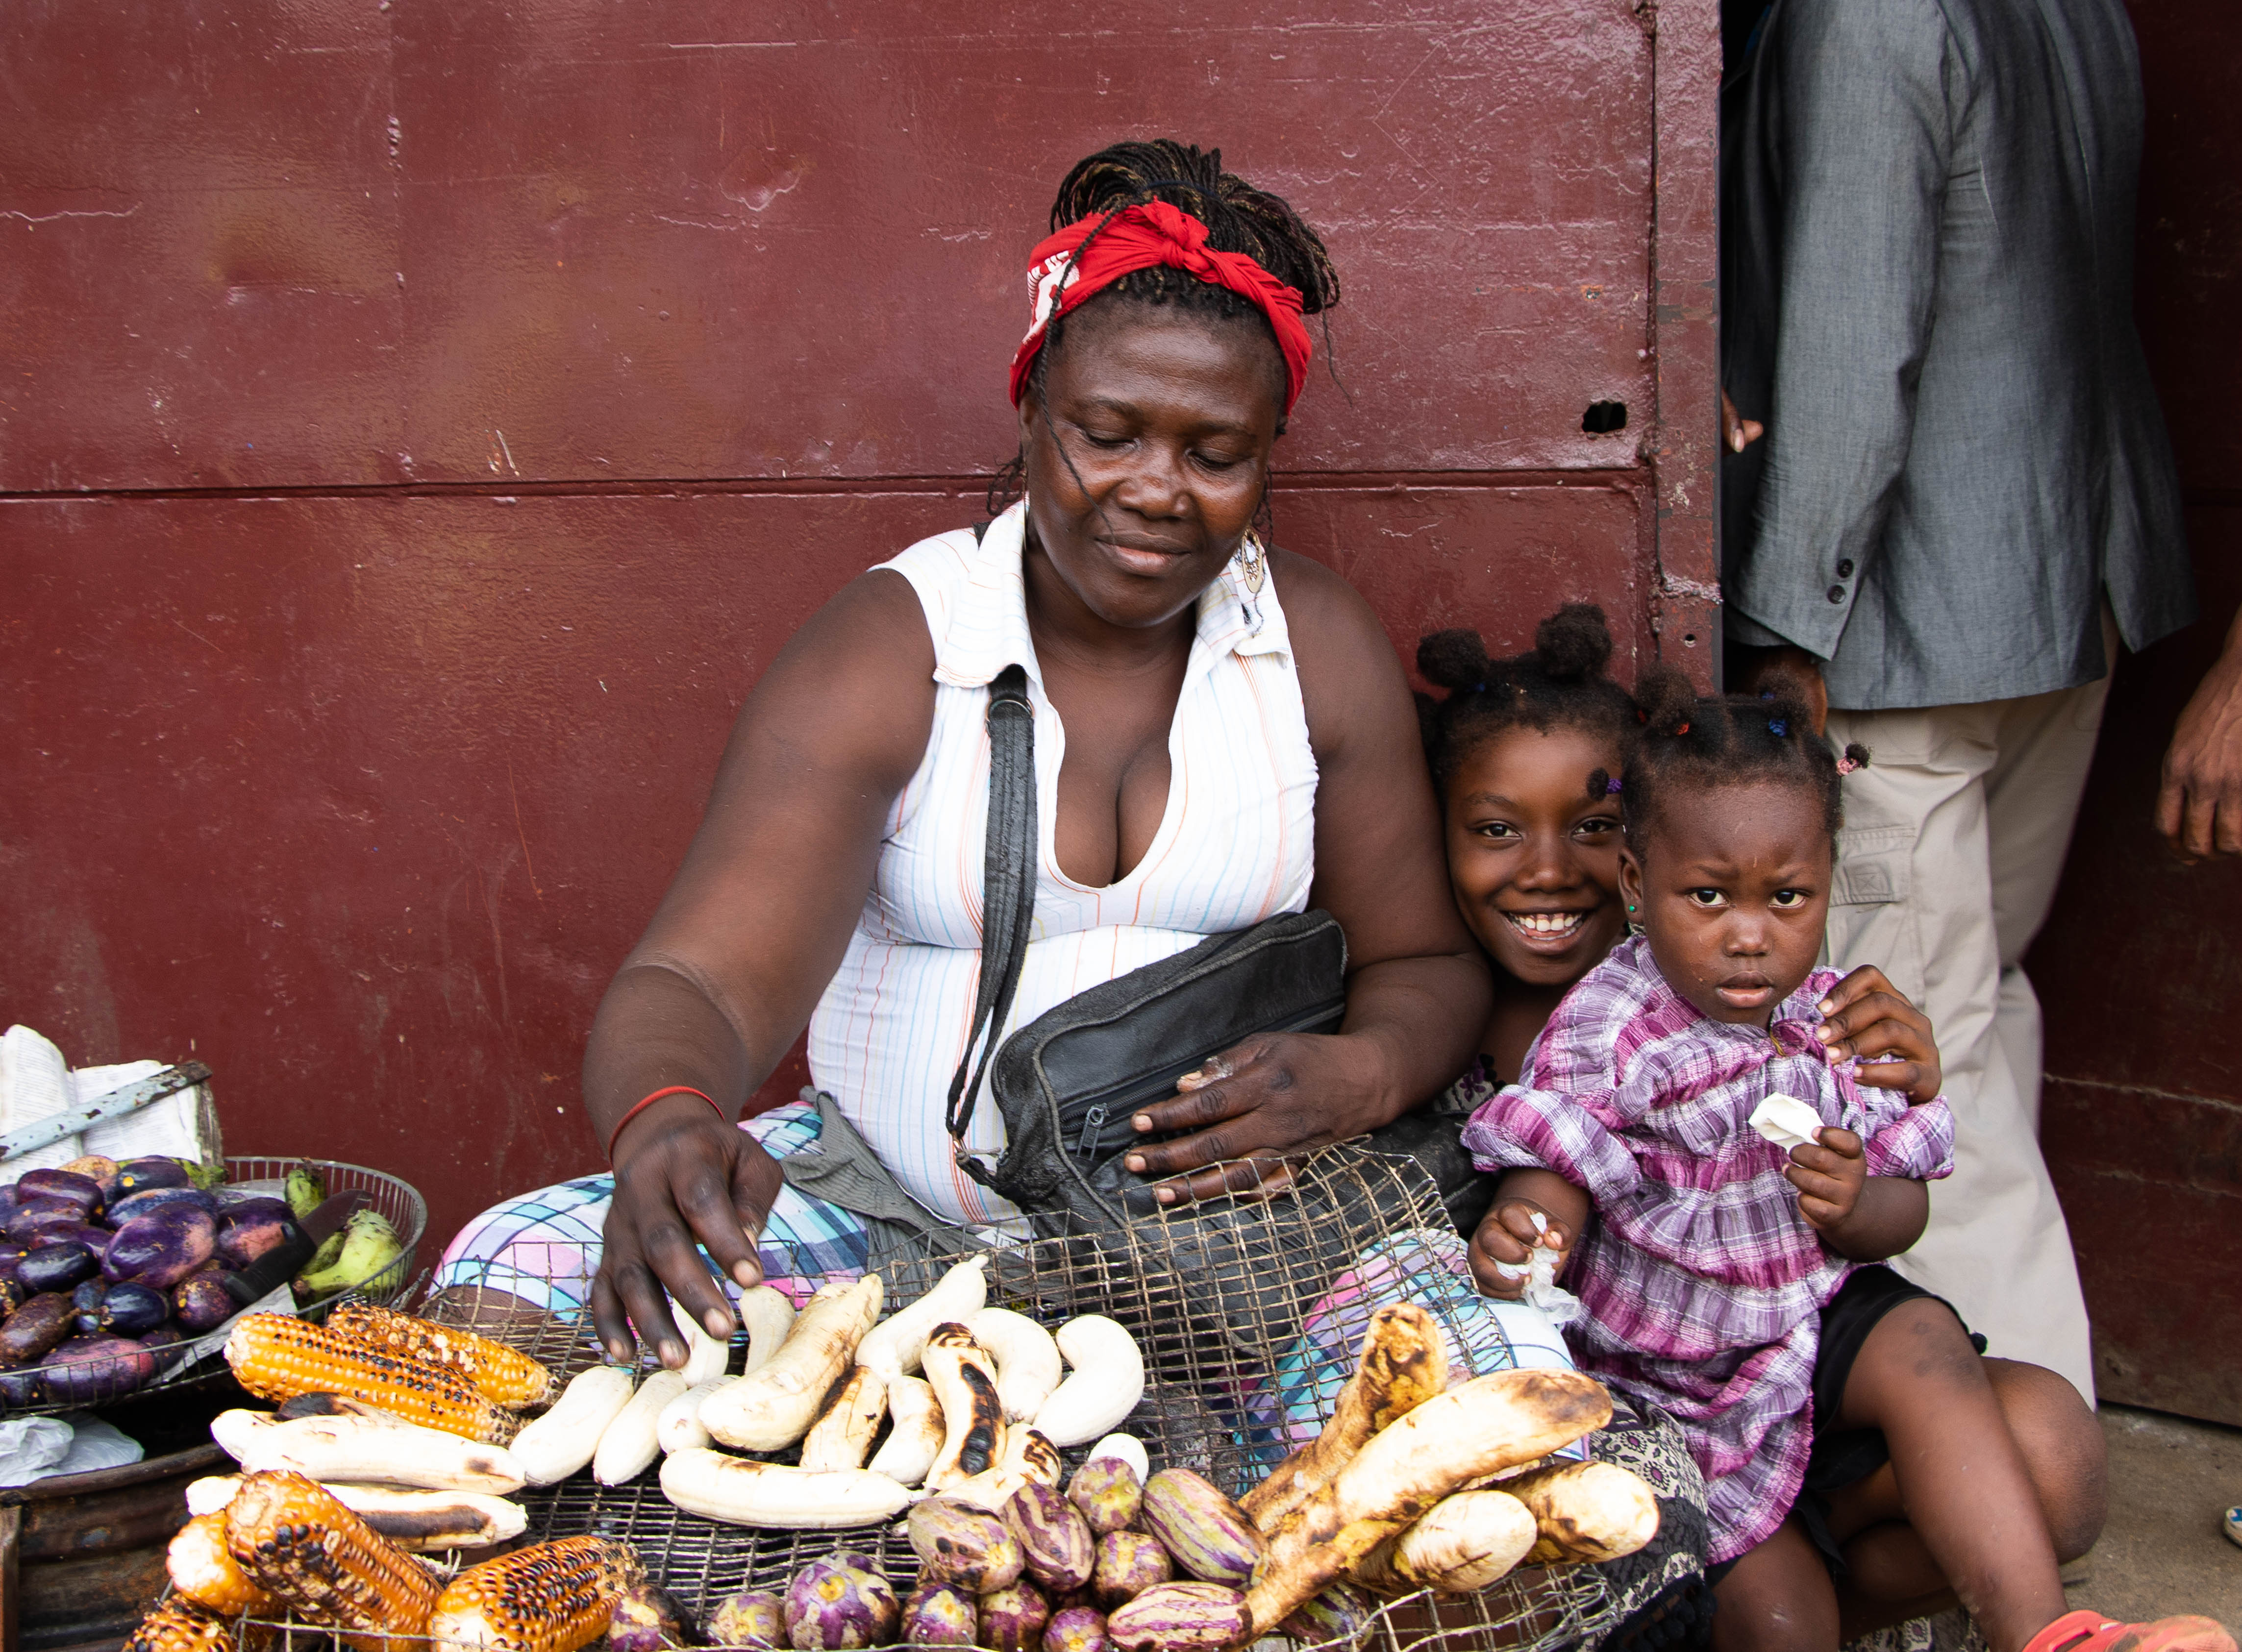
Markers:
point(615, 1135)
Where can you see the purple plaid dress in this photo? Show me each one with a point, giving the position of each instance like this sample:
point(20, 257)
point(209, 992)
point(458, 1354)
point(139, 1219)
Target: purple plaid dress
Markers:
point(1702, 1282)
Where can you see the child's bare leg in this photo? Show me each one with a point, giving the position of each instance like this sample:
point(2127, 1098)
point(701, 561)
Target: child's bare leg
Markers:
point(1892, 1576)
point(1962, 1481)
point(1778, 1598)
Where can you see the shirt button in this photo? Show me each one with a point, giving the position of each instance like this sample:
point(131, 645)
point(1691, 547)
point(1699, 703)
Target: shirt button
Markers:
point(1845, 569)
point(1837, 594)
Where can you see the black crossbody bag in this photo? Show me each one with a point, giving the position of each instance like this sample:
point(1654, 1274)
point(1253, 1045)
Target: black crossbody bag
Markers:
point(1068, 1083)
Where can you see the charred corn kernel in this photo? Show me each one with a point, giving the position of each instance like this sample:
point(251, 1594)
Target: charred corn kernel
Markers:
point(554, 1597)
point(496, 1371)
point(277, 1356)
point(180, 1625)
point(320, 1560)
point(206, 1574)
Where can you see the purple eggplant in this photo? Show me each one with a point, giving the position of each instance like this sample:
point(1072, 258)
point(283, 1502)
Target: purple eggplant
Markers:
point(1078, 1628)
point(86, 1301)
point(142, 1203)
point(95, 1238)
point(136, 1175)
point(1012, 1619)
point(23, 1388)
point(37, 1221)
point(835, 1606)
point(941, 1614)
point(247, 1231)
point(166, 1335)
point(201, 1303)
point(34, 1328)
point(80, 1190)
point(162, 1247)
point(751, 1618)
point(649, 1619)
point(88, 1371)
point(131, 1309)
point(58, 1267)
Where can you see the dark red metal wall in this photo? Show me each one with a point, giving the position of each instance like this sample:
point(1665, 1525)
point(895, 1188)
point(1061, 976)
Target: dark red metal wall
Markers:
point(2140, 967)
point(420, 422)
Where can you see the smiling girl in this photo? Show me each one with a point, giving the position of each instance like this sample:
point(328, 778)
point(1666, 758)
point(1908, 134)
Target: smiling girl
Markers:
point(1527, 753)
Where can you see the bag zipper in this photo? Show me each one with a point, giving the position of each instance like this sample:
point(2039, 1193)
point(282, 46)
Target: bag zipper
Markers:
point(1091, 1122)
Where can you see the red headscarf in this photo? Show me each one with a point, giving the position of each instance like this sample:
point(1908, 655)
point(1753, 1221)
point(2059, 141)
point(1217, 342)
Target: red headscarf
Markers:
point(1139, 237)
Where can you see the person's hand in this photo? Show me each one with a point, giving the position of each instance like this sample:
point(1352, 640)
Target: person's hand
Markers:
point(681, 1175)
point(1829, 1173)
point(1503, 1247)
point(1738, 432)
point(1276, 1093)
point(1866, 1017)
point(2199, 805)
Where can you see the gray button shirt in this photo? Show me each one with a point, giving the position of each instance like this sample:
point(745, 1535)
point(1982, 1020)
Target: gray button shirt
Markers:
point(1928, 264)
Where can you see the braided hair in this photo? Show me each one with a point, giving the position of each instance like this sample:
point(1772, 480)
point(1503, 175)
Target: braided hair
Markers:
point(1559, 682)
point(1726, 740)
point(1238, 219)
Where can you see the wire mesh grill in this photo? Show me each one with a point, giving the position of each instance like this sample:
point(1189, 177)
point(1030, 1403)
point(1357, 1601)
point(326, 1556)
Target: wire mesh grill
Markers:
point(134, 1373)
point(1249, 1316)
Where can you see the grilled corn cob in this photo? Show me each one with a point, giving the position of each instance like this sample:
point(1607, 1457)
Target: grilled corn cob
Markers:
point(178, 1625)
point(204, 1571)
point(292, 1537)
point(494, 1370)
point(553, 1597)
point(277, 1356)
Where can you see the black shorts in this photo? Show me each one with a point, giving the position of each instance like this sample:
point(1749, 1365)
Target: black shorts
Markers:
point(1842, 1456)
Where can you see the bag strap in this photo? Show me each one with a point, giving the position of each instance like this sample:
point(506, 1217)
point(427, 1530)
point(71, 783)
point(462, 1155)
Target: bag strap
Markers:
point(1008, 893)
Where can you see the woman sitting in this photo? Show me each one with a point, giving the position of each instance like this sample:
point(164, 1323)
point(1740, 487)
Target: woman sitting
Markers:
point(1222, 734)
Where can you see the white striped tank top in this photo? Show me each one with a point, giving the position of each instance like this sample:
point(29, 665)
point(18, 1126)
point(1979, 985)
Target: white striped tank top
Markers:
point(1236, 845)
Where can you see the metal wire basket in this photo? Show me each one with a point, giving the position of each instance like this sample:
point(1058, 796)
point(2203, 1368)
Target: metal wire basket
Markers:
point(136, 1374)
point(1248, 1315)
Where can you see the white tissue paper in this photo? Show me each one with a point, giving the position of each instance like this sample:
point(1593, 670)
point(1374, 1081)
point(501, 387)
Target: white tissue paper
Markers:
point(1786, 1121)
point(96, 1444)
point(42, 1448)
point(30, 1446)
point(1559, 1305)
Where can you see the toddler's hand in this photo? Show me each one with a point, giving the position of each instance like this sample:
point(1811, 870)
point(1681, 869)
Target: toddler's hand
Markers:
point(1501, 1249)
point(1829, 1177)
point(1865, 1016)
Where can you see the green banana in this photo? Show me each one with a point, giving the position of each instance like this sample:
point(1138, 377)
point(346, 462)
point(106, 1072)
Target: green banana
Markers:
point(369, 1245)
point(331, 1249)
point(306, 1189)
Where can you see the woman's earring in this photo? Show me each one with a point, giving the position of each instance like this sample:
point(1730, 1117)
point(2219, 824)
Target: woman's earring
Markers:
point(1252, 561)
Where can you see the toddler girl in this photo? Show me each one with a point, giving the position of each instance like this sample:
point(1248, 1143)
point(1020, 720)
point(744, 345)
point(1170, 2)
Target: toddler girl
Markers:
point(1841, 1416)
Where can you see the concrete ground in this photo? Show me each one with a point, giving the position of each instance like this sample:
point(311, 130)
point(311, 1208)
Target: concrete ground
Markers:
point(2162, 1550)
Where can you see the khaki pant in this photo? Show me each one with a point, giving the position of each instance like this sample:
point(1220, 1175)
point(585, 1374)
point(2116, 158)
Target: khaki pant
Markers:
point(1953, 838)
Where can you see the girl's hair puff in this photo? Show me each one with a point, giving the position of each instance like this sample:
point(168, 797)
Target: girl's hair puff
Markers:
point(1559, 681)
point(1687, 741)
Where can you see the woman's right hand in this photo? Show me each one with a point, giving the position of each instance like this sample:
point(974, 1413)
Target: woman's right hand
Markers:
point(682, 1175)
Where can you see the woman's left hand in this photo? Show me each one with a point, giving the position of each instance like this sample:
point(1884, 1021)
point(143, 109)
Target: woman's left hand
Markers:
point(1866, 1017)
point(1274, 1095)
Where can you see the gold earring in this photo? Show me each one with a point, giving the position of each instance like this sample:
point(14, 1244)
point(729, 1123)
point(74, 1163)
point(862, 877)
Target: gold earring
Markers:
point(1252, 561)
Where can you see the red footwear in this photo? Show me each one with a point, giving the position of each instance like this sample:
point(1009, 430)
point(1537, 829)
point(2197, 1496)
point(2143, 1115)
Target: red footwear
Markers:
point(2092, 1632)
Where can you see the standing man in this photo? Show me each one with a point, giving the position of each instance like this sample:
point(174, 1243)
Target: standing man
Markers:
point(1963, 499)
